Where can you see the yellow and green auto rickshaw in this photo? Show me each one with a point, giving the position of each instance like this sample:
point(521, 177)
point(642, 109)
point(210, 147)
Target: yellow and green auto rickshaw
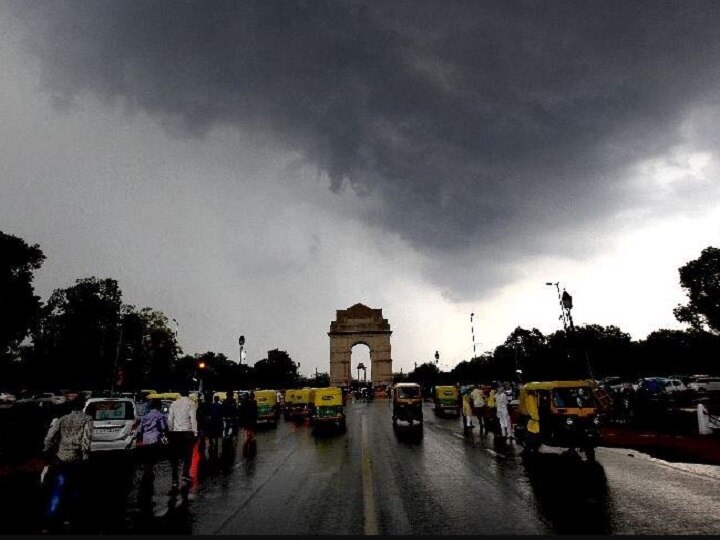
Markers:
point(407, 405)
point(293, 398)
point(445, 400)
point(267, 404)
point(303, 404)
point(328, 408)
point(559, 413)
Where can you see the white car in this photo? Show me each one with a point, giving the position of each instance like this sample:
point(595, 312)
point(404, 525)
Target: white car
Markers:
point(114, 423)
point(705, 384)
point(49, 398)
point(674, 385)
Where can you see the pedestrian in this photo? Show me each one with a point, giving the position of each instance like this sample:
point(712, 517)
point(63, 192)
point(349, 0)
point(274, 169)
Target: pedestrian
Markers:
point(492, 411)
point(467, 413)
point(151, 444)
point(703, 420)
point(182, 435)
point(230, 415)
point(503, 415)
point(478, 404)
point(215, 426)
point(248, 419)
point(66, 450)
point(203, 420)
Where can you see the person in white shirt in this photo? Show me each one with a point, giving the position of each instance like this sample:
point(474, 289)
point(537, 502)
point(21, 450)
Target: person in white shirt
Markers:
point(183, 430)
point(503, 414)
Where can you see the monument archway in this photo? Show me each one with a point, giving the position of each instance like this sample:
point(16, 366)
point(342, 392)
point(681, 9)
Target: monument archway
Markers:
point(360, 324)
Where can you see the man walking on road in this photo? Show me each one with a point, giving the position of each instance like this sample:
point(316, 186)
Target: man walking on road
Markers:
point(182, 423)
point(67, 450)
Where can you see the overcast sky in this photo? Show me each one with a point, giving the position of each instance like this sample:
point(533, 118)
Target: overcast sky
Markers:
point(252, 167)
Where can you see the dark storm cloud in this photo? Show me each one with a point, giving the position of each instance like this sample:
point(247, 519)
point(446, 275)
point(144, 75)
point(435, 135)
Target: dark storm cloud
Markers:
point(477, 123)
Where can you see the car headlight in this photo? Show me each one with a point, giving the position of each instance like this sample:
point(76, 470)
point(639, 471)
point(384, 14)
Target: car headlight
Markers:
point(569, 421)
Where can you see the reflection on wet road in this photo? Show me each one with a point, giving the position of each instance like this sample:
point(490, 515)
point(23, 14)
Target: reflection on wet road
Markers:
point(374, 479)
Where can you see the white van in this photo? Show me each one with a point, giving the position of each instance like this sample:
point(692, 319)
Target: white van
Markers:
point(114, 423)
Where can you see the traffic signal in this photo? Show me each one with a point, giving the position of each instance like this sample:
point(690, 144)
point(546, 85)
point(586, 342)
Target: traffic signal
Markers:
point(201, 364)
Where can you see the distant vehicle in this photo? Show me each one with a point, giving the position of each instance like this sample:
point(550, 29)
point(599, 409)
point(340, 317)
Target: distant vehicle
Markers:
point(674, 385)
point(6, 397)
point(651, 385)
point(445, 401)
point(268, 410)
point(49, 398)
point(114, 423)
point(705, 384)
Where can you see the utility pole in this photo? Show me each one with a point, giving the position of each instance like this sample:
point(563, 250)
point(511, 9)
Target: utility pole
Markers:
point(117, 360)
point(472, 330)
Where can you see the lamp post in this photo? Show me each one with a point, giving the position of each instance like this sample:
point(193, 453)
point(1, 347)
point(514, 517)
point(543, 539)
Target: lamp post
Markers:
point(117, 375)
point(472, 330)
point(241, 343)
point(560, 300)
point(567, 305)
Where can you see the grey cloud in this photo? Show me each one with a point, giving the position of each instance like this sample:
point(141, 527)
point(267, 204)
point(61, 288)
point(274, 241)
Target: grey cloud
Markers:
point(478, 124)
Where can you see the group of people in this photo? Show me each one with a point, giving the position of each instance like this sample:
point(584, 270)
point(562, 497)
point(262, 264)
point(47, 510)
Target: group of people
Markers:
point(489, 412)
point(67, 444)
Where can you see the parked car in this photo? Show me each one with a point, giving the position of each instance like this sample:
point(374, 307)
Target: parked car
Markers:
point(114, 423)
point(705, 384)
point(674, 385)
point(46, 399)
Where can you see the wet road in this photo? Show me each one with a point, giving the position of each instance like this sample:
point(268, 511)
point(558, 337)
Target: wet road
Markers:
point(373, 480)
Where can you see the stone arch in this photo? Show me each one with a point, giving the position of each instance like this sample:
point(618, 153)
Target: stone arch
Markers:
point(360, 324)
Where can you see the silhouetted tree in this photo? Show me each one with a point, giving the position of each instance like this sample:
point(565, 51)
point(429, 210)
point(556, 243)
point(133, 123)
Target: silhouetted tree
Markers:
point(77, 338)
point(19, 307)
point(701, 281)
point(276, 371)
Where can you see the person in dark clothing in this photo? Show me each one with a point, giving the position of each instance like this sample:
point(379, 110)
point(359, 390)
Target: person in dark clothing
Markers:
point(248, 420)
point(215, 426)
point(203, 421)
point(151, 446)
point(230, 415)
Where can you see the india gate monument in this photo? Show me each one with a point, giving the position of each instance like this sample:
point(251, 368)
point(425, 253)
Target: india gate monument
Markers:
point(360, 324)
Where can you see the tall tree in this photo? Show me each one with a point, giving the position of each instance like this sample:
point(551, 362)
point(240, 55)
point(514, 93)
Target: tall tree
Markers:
point(19, 307)
point(77, 340)
point(701, 281)
point(276, 371)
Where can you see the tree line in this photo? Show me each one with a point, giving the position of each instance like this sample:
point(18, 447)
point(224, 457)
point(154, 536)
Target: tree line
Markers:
point(85, 336)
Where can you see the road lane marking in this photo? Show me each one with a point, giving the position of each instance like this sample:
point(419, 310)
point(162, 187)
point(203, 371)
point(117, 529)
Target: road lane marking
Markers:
point(367, 486)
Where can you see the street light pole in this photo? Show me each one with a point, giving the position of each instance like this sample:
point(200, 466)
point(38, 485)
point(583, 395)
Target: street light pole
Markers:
point(241, 343)
point(117, 359)
point(560, 301)
point(472, 330)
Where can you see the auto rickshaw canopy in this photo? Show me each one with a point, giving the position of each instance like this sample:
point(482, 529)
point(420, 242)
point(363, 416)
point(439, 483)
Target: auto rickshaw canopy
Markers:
point(169, 396)
point(550, 385)
point(266, 397)
point(446, 392)
point(328, 397)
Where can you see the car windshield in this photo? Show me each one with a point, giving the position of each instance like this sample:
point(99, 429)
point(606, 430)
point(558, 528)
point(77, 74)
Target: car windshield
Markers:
point(110, 410)
point(572, 397)
point(408, 392)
